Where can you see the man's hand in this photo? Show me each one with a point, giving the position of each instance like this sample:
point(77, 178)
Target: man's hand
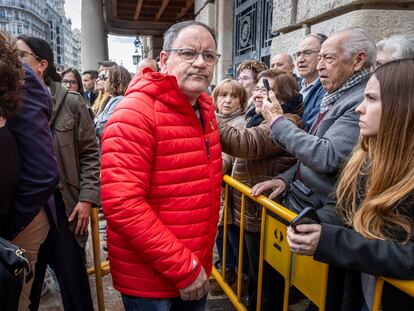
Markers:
point(83, 211)
point(198, 289)
point(2, 121)
point(305, 241)
point(276, 185)
point(271, 109)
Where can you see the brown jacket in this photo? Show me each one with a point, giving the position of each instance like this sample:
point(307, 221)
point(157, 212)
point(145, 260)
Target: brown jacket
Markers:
point(76, 150)
point(258, 159)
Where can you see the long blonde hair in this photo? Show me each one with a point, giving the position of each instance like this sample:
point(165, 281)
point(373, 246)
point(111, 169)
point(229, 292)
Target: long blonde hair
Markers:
point(386, 161)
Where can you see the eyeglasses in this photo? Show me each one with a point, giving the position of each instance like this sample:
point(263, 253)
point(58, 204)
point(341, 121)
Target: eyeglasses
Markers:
point(102, 77)
point(261, 90)
point(305, 53)
point(71, 82)
point(190, 55)
point(244, 78)
point(22, 54)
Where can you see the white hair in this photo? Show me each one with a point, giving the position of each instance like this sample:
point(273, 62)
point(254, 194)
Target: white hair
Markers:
point(401, 46)
point(359, 40)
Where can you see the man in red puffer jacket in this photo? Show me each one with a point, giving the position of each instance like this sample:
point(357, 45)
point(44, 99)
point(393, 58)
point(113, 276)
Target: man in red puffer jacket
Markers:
point(161, 177)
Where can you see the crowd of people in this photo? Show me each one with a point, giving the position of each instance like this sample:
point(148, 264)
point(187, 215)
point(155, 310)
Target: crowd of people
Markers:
point(331, 127)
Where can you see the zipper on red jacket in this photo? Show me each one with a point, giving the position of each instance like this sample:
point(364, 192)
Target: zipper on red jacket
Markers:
point(208, 149)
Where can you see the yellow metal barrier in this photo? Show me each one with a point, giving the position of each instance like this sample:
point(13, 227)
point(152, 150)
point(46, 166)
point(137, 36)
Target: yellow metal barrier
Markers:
point(406, 286)
point(308, 275)
point(100, 268)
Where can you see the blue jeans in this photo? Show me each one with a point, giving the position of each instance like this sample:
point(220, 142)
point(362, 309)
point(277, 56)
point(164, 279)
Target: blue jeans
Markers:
point(232, 252)
point(365, 307)
point(172, 304)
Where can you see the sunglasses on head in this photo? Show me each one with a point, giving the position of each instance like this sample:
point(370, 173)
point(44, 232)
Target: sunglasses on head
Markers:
point(102, 77)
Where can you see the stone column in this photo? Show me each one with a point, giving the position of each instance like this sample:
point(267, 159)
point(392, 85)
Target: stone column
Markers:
point(155, 47)
point(94, 37)
point(204, 11)
point(224, 33)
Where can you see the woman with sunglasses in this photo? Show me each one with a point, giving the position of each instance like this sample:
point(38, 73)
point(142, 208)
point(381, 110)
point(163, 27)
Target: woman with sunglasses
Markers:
point(116, 79)
point(369, 230)
point(72, 80)
point(103, 97)
point(79, 189)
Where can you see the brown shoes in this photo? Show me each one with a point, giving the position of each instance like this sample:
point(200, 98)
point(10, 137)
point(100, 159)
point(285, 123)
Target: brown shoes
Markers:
point(231, 278)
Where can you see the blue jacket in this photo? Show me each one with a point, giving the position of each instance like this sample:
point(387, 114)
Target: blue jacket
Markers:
point(312, 102)
point(39, 170)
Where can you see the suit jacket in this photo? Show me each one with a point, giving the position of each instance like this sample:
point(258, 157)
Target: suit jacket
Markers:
point(312, 102)
point(39, 170)
point(90, 96)
point(321, 156)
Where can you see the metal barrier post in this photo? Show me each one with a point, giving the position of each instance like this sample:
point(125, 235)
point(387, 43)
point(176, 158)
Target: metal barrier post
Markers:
point(225, 216)
point(227, 289)
point(241, 246)
point(97, 258)
point(378, 294)
point(300, 271)
point(261, 250)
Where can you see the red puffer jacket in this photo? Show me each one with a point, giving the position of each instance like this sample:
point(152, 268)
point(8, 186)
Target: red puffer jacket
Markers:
point(161, 184)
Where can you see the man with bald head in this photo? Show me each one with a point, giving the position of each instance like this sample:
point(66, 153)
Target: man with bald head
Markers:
point(147, 63)
point(284, 62)
point(161, 177)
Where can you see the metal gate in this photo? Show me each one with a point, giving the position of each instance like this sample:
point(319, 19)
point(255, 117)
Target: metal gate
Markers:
point(253, 31)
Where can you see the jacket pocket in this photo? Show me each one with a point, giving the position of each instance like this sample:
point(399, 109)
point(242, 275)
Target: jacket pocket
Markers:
point(65, 132)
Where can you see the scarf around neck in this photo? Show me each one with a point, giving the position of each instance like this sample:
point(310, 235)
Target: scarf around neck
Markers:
point(330, 98)
point(228, 118)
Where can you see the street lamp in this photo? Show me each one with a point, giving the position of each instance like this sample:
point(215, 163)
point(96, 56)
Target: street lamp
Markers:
point(138, 45)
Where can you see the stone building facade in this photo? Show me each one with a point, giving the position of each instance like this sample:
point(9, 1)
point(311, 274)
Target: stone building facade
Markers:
point(293, 19)
point(42, 19)
point(23, 17)
point(381, 18)
point(246, 29)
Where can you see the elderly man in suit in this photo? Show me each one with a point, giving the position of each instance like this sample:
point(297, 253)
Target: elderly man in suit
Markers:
point(344, 65)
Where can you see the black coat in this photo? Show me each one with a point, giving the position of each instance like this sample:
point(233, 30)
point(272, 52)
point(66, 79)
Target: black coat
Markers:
point(9, 171)
point(349, 254)
point(39, 170)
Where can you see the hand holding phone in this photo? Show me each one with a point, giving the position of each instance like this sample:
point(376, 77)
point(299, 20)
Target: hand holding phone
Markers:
point(306, 217)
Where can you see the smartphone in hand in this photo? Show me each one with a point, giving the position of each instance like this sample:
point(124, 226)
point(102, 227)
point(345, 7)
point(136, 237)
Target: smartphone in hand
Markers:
point(267, 86)
point(307, 216)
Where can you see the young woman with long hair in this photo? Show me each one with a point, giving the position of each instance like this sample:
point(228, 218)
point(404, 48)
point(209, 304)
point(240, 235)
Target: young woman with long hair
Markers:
point(116, 80)
point(371, 231)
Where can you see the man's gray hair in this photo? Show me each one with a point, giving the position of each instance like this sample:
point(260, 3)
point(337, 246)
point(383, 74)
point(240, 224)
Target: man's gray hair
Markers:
point(318, 36)
point(359, 40)
point(171, 34)
point(402, 46)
